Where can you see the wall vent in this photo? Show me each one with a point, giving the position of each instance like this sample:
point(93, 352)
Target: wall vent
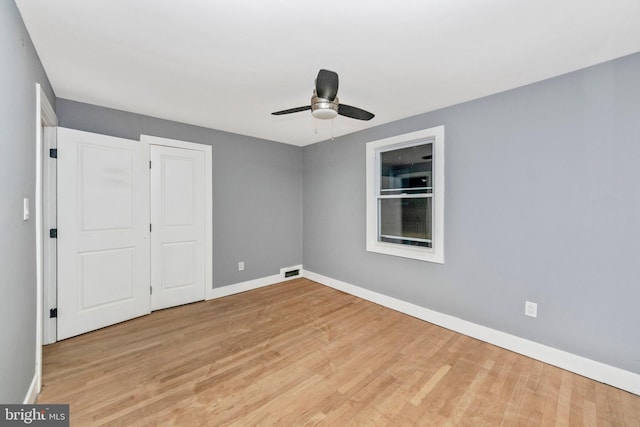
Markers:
point(292, 273)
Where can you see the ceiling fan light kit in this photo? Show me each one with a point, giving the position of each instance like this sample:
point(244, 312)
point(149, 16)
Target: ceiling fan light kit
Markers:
point(323, 108)
point(324, 102)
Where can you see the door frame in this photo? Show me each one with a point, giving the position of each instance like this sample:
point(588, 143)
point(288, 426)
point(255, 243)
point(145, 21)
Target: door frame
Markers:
point(49, 221)
point(208, 203)
point(46, 121)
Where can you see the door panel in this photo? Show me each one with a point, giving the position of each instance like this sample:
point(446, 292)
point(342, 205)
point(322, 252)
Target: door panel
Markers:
point(178, 220)
point(103, 231)
point(178, 264)
point(102, 284)
point(107, 179)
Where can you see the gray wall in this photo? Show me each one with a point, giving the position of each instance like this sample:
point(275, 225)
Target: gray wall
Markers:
point(19, 72)
point(542, 204)
point(257, 189)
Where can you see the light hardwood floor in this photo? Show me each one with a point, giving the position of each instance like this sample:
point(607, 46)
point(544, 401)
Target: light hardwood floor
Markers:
point(299, 353)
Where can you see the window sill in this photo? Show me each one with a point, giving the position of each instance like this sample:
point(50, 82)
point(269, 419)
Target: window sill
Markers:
point(421, 254)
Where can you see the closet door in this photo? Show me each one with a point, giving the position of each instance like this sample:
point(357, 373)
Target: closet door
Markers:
point(178, 226)
point(103, 231)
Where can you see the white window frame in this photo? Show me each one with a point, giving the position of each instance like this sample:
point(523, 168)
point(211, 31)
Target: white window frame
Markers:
point(435, 135)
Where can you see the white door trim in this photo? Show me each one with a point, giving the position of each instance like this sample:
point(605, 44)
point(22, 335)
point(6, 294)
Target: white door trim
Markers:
point(49, 221)
point(45, 117)
point(208, 181)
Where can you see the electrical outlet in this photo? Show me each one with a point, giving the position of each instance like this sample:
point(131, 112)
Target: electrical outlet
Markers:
point(530, 309)
point(241, 266)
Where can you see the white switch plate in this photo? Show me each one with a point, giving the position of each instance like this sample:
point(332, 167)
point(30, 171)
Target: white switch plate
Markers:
point(241, 266)
point(25, 209)
point(531, 309)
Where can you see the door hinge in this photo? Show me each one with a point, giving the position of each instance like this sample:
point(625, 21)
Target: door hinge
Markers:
point(150, 290)
point(53, 312)
point(53, 233)
point(149, 164)
point(149, 228)
point(53, 153)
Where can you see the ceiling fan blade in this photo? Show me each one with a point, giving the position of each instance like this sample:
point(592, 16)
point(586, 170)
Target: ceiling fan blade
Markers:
point(327, 85)
point(292, 110)
point(354, 112)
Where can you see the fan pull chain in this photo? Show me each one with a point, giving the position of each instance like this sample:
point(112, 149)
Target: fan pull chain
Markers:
point(332, 137)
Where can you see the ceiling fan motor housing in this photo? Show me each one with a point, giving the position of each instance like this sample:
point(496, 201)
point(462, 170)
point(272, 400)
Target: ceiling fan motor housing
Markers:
point(323, 108)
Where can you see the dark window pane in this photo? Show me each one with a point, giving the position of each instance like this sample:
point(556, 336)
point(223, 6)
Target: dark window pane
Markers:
point(406, 221)
point(406, 170)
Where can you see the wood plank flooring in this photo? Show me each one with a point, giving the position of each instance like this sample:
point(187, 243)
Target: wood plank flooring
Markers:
point(301, 354)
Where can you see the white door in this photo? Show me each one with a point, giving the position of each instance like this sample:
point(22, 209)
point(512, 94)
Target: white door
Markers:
point(178, 226)
point(103, 231)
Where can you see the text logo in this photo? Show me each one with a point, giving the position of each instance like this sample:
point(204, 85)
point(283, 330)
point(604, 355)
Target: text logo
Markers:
point(34, 415)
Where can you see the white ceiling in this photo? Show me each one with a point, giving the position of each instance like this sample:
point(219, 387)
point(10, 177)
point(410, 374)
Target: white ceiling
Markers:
point(228, 64)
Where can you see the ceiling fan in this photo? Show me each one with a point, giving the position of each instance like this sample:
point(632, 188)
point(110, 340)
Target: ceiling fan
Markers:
point(324, 102)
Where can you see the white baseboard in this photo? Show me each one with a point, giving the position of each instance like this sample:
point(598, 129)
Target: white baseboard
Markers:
point(32, 393)
point(236, 288)
point(597, 371)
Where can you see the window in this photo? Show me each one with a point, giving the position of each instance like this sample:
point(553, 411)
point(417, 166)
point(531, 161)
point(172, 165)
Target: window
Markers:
point(405, 195)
